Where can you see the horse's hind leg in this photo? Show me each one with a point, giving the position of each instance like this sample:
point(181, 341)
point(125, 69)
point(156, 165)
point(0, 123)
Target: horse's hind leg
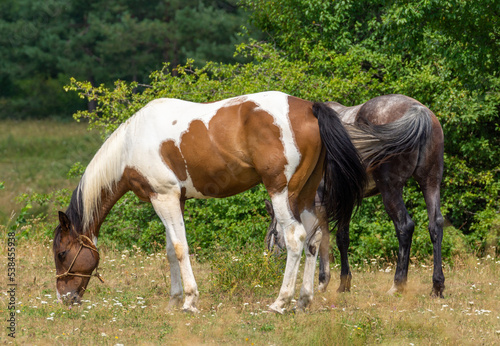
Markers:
point(436, 233)
point(168, 207)
point(175, 276)
point(429, 180)
point(295, 236)
point(311, 249)
point(392, 196)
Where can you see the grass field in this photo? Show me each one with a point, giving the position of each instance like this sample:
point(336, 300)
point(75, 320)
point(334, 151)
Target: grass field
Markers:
point(130, 308)
point(35, 156)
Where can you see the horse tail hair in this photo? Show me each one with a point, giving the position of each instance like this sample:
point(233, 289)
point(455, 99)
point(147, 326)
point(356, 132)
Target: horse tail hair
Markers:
point(377, 143)
point(344, 174)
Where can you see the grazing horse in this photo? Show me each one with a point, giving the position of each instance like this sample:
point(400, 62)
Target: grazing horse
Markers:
point(172, 150)
point(410, 144)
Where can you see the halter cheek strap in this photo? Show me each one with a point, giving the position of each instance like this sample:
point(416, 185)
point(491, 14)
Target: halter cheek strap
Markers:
point(81, 239)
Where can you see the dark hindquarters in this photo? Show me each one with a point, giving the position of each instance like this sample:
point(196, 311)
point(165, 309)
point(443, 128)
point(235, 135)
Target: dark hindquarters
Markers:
point(409, 146)
point(344, 174)
point(378, 143)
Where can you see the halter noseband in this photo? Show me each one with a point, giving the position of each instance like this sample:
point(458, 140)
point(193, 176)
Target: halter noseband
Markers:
point(92, 247)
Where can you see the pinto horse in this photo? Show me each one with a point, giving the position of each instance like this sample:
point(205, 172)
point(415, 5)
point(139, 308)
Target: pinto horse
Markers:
point(410, 144)
point(172, 150)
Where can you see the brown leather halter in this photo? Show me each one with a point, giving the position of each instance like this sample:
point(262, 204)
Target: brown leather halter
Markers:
point(81, 240)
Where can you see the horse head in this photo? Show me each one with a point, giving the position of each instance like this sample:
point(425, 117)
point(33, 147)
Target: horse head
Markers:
point(76, 257)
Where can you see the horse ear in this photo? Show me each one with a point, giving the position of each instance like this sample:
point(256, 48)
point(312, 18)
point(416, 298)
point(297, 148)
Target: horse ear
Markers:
point(65, 223)
point(269, 207)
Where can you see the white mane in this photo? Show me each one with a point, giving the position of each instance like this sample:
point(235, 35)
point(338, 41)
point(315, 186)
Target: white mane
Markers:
point(103, 172)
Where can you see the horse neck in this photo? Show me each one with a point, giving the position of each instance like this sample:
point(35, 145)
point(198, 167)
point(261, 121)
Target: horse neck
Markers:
point(106, 201)
point(101, 185)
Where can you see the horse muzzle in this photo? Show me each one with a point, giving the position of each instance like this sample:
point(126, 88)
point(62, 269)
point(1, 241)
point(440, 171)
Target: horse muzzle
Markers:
point(69, 298)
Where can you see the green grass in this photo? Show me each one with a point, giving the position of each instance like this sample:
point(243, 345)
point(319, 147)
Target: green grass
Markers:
point(35, 156)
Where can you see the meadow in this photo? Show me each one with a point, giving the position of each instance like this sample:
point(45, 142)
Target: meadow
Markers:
point(35, 156)
point(131, 307)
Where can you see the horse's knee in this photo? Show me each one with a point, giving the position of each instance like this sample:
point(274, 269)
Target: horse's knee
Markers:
point(179, 251)
point(436, 229)
point(405, 232)
point(440, 221)
point(295, 236)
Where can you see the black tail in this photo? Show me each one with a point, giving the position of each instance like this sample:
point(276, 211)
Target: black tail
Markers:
point(377, 143)
point(344, 174)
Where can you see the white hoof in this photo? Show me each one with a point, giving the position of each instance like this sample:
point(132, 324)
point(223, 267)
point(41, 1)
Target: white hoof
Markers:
point(393, 290)
point(191, 310)
point(322, 287)
point(274, 308)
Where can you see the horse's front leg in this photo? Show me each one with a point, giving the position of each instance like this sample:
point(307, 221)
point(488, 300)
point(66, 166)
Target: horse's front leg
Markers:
point(169, 209)
point(175, 275)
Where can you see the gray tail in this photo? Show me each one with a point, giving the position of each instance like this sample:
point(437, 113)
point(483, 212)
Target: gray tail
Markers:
point(377, 143)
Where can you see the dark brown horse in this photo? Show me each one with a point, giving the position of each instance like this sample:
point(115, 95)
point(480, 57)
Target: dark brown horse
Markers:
point(409, 144)
point(173, 150)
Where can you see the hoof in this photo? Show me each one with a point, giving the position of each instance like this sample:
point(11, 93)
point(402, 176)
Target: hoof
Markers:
point(274, 308)
point(437, 294)
point(343, 289)
point(174, 303)
point(322, 287)
point(437, 290)
point(395, 290)
point(345, 283)
point(304, 303)
point(299, 310)
point(190, 310)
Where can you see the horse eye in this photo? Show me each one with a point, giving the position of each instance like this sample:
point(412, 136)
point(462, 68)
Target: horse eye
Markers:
point(61, 255)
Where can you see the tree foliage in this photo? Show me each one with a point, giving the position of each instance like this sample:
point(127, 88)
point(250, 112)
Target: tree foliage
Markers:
point(43, 42)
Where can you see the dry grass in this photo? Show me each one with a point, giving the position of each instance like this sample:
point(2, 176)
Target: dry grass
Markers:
point(131, 307)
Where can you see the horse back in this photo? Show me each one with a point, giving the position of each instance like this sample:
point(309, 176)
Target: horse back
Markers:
point(222, 148)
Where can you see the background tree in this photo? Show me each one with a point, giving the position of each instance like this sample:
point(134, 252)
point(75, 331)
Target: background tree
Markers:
point(45, 42)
